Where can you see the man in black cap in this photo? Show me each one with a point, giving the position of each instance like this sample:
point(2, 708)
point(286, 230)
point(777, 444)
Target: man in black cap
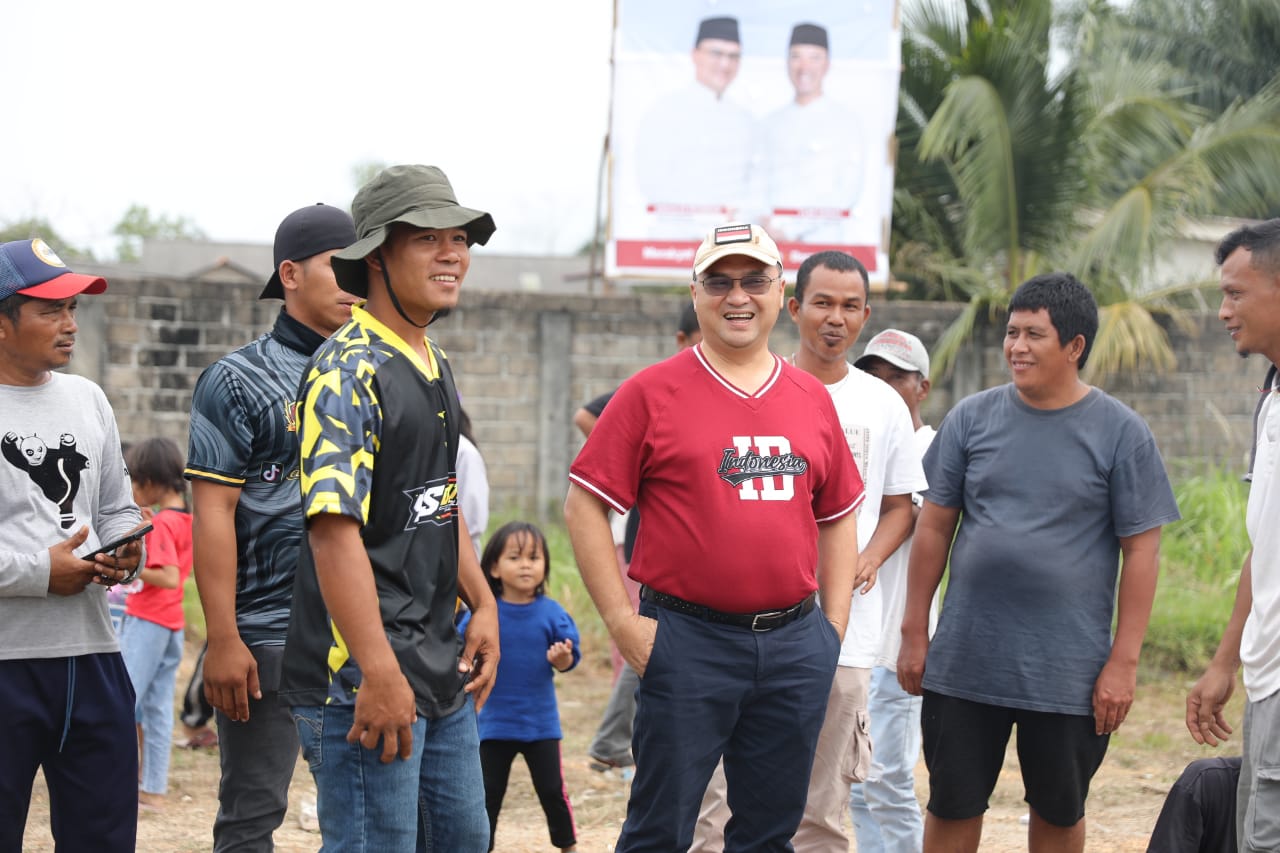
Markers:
point(694, 144)
point(247, 523)
point(812, 154)
point(381, 685)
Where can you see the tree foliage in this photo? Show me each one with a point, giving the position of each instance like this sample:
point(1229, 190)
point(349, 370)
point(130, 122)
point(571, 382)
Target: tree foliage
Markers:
point(1218, 51)
point(38, 226)
point(1008, 168)
point(138, 223)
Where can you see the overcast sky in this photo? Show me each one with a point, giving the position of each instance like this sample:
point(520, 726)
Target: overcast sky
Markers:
point(235, 113)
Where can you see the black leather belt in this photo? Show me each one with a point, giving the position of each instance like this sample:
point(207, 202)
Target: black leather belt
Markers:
point(765, 620)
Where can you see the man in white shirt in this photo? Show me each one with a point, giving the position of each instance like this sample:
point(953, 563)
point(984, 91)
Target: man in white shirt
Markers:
point(886, 814)
point(1250, 261)
point(694, 145)
point(811, 159)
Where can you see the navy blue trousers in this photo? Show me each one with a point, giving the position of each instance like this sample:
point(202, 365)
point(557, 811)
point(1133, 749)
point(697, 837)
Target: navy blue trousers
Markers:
point(757, 699)
point(73, 718)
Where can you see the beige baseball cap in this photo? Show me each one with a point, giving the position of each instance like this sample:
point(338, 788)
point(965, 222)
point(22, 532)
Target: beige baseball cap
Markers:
point(736, 239)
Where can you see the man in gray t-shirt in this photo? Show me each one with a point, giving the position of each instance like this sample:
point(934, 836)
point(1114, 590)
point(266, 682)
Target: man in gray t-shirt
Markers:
point(1055, 481)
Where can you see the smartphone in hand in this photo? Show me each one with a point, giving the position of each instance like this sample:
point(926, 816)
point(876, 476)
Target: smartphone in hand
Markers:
point(111, 547)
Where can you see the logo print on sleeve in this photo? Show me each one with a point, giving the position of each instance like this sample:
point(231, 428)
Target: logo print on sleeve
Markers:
point(762, 467)
point(291, 416)
point(55, 470)
point(435, 503)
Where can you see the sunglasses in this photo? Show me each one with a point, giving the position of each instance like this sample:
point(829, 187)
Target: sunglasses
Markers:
point(721, 285)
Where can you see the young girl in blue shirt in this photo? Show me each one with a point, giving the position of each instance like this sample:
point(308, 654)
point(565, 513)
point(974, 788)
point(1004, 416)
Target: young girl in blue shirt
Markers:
point(539, 638)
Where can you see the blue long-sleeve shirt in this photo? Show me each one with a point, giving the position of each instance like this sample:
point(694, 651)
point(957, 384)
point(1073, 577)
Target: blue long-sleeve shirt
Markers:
point(523, 705)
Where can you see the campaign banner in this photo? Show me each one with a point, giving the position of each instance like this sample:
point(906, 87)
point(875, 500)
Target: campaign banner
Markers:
point(781, 114)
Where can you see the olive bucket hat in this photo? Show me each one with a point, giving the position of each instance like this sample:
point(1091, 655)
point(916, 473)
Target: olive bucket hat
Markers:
point(415, 195)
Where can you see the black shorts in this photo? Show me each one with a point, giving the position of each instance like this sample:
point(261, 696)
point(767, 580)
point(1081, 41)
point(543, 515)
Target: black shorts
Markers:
point(964, 747)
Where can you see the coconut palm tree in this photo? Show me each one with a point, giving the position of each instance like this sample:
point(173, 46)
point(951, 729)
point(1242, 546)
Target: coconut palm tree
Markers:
point(1092, 168)
point(980, 104)
point(1156, 157)
point(1221, 51)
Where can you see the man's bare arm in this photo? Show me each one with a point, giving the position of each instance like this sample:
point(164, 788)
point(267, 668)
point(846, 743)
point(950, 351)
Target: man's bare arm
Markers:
point(385, 707)
point(1210, 693)
point(897, 517)
point(587, 518)
point(837, 565)
point(481, 645)
point(935, 528)
point(584, 421)
point(1114, 689)
point(230, 670)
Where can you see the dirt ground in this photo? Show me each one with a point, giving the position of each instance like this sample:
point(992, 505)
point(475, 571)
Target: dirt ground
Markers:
point(1145, 758)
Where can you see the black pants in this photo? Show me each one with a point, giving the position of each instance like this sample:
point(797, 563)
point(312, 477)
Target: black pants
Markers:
point(1199, 815)
point(72, 717)
point(543, 759)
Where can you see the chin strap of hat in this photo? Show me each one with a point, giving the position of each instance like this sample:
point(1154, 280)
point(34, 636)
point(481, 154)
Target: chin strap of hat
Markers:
point(386, 279)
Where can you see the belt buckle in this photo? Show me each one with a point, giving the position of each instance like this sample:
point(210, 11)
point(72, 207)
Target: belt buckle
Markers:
point(772, 614)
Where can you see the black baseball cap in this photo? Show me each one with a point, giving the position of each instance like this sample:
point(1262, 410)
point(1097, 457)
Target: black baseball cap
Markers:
point(305, 232)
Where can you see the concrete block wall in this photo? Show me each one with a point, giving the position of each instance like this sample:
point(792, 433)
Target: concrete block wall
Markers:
point(152, 338)
point(525, 362)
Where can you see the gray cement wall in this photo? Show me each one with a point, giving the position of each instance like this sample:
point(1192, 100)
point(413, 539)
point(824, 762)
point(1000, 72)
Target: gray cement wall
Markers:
point(524, 362)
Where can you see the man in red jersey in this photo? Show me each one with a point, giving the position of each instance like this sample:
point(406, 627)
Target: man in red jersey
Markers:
point(736, 457)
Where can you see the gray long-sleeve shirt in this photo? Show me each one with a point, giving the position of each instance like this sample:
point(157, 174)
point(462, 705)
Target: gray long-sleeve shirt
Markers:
point(60, 468)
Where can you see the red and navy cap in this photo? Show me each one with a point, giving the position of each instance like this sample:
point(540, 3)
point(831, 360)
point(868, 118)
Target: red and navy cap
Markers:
point(31, 268)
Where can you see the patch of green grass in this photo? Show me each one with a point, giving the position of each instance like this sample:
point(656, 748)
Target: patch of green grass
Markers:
point(1210, 541)
point(1199, 568)
point(1187, 621)
point(192, 611)
point(1156, 741)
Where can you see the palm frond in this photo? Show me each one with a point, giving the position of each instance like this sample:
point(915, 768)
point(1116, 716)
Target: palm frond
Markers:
point(952, 339)
point(1128, 339)
point(970, 131)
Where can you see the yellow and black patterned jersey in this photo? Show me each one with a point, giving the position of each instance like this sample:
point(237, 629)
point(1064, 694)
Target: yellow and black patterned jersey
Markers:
point(378, 429)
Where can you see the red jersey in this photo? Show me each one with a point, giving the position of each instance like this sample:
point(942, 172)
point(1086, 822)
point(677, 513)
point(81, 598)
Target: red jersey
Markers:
point(169, 544)
point(731, 486)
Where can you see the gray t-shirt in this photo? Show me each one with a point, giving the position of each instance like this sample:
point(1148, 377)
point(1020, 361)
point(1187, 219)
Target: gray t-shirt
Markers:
point(1046, 496)
point(60, 469)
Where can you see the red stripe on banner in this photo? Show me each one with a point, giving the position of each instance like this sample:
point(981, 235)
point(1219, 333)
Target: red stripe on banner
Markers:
point(663, 255)
point(686, 209)
point(659, 254)
point(821, 212)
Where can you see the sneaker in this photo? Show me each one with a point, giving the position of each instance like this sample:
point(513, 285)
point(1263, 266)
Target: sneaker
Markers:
point(612, 769)
point(206, 738)
point(150, 802)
